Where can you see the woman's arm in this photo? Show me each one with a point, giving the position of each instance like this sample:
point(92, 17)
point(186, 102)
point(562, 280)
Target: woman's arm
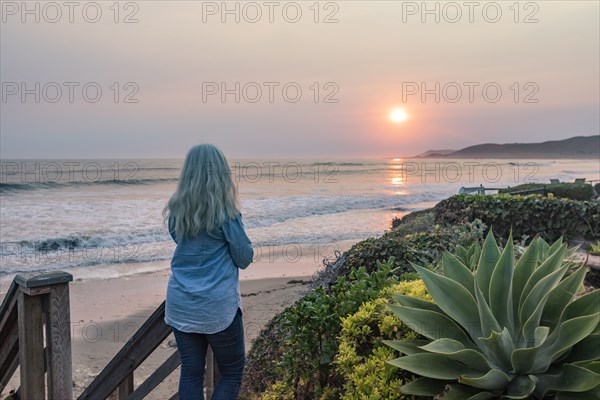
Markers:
point(240, 246)
point(171, 227)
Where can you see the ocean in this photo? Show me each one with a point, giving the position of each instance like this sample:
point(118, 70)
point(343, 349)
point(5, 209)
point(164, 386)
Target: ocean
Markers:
point(84, 215)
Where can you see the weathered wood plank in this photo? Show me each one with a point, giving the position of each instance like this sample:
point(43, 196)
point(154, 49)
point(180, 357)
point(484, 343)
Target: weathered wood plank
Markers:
point(209, 374)
point(157, 377)
point(216, 374)
point(8, 332)
point(9, 351)
point(9, 336)
point(31, 346)
point(150, 335)
point(45, 279)
point(10, 368)
point(7, 323)
point(8, 303)
point(126, 387)
point(36, 291)
point(58, 338)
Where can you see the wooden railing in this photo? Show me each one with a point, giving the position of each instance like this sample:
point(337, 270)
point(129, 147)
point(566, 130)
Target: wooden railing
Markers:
point(117, 376)
point(31, 303)
point(34, 301)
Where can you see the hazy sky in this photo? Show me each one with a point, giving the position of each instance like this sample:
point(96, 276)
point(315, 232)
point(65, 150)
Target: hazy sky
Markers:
point(178, 57)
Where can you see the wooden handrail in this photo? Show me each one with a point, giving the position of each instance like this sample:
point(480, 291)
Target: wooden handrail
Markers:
point(150, 335)
point(35, 301)
point(32, 302)
point(118, 374)
point(526, 192)
point(9, 336)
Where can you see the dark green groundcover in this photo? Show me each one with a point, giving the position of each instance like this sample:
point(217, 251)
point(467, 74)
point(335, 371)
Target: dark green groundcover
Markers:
point(573, 191)
point(530, 215)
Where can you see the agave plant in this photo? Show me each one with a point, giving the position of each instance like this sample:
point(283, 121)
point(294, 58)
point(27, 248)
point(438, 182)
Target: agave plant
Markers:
point(503, 330)
point(469, 257)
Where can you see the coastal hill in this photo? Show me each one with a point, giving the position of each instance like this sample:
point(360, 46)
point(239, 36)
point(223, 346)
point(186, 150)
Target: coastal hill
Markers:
point(436, 153)
point(584, 147)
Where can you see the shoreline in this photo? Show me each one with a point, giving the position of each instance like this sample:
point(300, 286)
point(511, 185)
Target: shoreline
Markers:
point(271, 262)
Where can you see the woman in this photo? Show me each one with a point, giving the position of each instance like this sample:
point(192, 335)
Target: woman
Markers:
point(203, 303)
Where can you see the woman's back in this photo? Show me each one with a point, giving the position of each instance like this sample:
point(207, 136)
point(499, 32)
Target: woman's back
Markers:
point(203, 292)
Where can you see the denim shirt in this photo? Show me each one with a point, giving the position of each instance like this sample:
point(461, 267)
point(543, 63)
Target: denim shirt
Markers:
point(203, 293)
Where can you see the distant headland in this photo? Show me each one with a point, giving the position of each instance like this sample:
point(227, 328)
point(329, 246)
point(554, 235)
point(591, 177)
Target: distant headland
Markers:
point(584, 147)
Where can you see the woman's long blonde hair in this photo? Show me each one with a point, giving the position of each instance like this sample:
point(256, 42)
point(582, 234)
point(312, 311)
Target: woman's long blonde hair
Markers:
point(206, 196)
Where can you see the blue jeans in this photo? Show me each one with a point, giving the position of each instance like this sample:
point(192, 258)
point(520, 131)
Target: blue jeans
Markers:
point(230, 354)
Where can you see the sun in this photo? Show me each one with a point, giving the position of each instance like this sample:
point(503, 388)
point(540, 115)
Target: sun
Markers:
point(398, 115)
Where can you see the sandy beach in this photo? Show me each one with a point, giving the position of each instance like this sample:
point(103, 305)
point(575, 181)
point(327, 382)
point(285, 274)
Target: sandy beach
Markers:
point(106, 312)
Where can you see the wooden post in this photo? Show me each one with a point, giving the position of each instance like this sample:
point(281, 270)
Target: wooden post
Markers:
point(58, 338)
point(44, 299)
point(209, 374)
point(31, 347)
point(216, 375)
point(126, 387)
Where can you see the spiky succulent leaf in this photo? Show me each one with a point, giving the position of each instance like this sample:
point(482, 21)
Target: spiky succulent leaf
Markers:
point(407, 347)
point(501, 287)
point(474, 254)
point(494, 379)
point(570, 378)
point(551, 264)
point(586, 350)
point(463, 392)
point(415, 302)
point(431, 365)
point(454, 269)
point(486, 317)
point(521, 387)
point(584, 305)
point(554, 246)
point(591, 394)
point(487, 262)
point(455, 350)
point(431, 324)
point(462, 254)
point(523, 270)
point(533, 306)
point(499, 347)
point(456, 301)
point(561, 296)
point(424, 387)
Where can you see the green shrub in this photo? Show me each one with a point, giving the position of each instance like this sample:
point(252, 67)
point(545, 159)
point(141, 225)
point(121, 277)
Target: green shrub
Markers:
point(420, 248)
point(592, 279)
point(526, 215)
point(595, 248)
point(506, 330)
point(416, 221)
point(403, 249)
point(313, 326)
point(362, 357)
point(262, 362)
point(573, 191)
